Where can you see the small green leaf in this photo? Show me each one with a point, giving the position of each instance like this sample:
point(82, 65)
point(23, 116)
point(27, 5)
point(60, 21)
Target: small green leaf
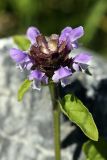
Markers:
point(74, 109)
point(22, 42)
point(23, 89)
point(95, 150)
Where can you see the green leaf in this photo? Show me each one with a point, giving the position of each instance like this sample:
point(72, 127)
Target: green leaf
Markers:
point(23, 89)
point(22, 42)
point(74, 109)
point(95, 150)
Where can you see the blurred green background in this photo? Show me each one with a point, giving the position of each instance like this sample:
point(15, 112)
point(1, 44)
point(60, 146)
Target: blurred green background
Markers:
point(51, 16)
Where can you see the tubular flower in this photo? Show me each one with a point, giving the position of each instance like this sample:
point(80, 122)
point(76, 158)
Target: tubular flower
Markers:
point(21, 58)
point(80, 62)
point(47, 59)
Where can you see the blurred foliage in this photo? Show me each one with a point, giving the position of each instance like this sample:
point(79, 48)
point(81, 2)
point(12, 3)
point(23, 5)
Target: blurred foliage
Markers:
point(53, 15)
point(22, 42)
point(95, 150)
point(93, 21)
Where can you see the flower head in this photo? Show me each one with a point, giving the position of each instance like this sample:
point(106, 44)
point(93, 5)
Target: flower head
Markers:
point(48, 57)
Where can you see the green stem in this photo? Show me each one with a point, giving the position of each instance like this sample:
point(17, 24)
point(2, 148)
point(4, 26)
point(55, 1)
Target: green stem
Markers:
point(56, 119)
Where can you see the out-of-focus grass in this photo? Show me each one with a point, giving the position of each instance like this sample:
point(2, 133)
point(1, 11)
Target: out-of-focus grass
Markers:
point(93, 19)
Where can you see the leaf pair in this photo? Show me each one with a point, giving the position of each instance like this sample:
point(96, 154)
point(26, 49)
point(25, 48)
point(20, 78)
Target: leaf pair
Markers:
point(74, 109)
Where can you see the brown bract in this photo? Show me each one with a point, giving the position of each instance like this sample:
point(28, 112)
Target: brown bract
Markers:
point(48, 55)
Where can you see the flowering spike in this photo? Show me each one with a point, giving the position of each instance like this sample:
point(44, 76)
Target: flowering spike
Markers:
point(47, 59)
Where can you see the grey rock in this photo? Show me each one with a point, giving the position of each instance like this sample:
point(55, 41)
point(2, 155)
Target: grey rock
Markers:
point(26, 127)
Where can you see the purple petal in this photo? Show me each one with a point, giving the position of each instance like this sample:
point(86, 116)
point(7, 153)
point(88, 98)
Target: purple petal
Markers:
point(65, 81)
point(38, 75)
point(32, 33)
point(76, 33)
point(75, 45)
point(17, 55)
point(65, 34)
point(71, 36)
point(66, 30)
point(28, 63)
point(61, 73)
point(82, 58)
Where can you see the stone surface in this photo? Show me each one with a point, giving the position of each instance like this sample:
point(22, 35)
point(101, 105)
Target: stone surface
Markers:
point(26, 127)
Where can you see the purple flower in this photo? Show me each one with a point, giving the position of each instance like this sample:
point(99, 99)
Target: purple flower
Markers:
point(17, 55)
point(71, 36)
point(38, 77)
point(21, 58)
point(32, 33)
point(61, 75)
point(80, 62)
point(48, 57)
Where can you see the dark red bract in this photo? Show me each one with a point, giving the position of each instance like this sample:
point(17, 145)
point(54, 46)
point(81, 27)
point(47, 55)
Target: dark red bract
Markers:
point(48, 55)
